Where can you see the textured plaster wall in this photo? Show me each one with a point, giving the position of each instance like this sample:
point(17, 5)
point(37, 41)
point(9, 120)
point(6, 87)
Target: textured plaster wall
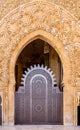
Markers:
point(73, 6)
point(57, 26)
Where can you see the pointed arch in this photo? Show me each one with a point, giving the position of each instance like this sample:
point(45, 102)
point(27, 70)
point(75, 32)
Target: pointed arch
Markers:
point(29, 22)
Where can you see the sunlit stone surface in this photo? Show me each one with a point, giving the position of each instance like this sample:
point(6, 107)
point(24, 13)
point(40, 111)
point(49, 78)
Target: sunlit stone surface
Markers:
point(56, 22)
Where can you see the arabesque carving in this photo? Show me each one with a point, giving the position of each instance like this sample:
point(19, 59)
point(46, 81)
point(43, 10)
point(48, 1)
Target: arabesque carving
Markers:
point(71, 5)
point(57, 23)
point(34, 16)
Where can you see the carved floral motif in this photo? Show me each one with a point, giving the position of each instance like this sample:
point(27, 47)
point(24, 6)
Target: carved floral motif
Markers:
point(30, 17)
point(71, 5)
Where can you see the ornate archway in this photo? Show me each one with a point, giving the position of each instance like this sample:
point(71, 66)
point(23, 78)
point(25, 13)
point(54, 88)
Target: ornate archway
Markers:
point(24, 24)
point(35, 35)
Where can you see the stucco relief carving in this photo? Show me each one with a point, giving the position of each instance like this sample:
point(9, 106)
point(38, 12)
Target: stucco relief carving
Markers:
point(70, 5)
point(77, 63)
point(28, 18)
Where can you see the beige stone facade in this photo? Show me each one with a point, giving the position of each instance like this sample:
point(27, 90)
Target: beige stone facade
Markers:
point(56, 22)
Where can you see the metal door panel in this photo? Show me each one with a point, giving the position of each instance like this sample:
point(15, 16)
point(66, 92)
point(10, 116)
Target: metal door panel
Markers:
point(38, 110)
point(38, 101)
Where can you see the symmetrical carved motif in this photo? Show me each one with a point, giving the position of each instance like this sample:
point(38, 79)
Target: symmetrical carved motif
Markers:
point(38, 67)
point(31, 17)
point(45, 106)
point(71, 5)
point(58, 23)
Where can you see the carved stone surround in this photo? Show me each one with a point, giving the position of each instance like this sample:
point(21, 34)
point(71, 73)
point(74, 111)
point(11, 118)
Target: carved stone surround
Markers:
point(34, 16)
point(52, 23)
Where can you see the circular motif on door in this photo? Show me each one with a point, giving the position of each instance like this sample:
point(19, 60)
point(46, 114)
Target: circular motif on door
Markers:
point(38, 108)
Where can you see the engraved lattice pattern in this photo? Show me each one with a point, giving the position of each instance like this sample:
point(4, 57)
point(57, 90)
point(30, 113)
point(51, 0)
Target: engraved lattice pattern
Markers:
point(38, 101)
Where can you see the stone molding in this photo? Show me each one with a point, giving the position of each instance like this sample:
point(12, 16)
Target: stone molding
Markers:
point(31, 17)
point(52, 24)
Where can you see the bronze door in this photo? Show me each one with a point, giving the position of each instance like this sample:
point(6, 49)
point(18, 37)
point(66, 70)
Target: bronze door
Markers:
point(38, 102)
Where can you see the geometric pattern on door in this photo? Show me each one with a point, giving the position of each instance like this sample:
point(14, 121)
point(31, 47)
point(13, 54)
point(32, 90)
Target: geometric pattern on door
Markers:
point(38, 101)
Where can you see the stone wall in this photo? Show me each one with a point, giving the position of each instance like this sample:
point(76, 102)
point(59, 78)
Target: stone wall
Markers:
point(73, 6)
point(53, 24)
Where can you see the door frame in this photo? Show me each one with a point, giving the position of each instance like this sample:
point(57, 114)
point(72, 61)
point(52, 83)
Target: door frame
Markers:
point(58, 46)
